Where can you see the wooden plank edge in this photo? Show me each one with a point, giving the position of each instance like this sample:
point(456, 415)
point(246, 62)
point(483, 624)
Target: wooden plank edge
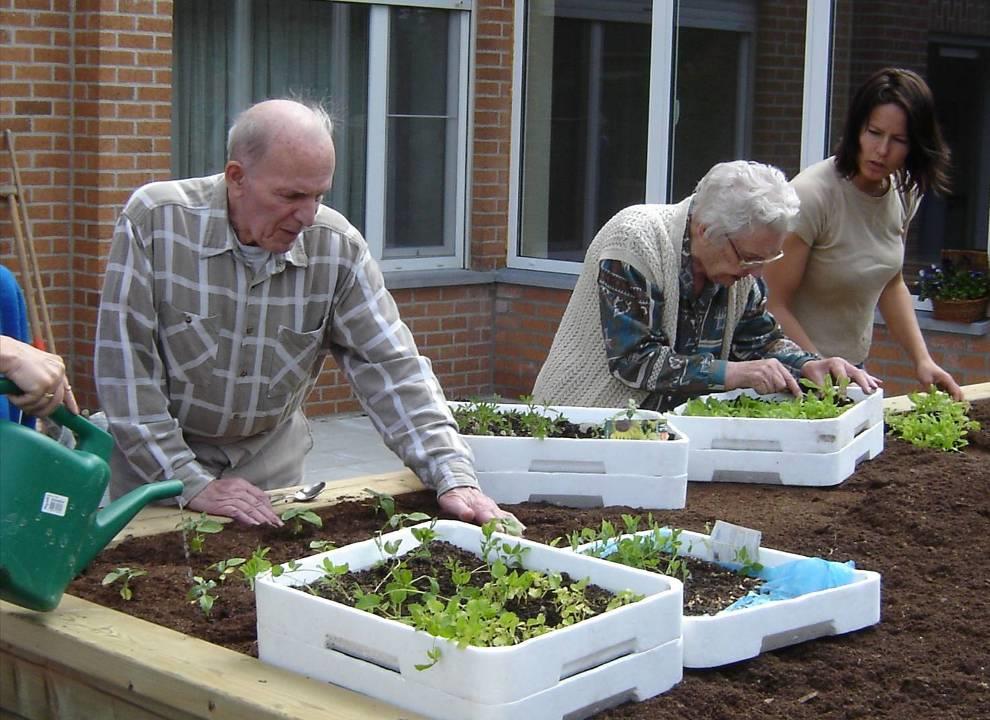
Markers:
point(136, 660)
point(156, 519)
point(977, 391)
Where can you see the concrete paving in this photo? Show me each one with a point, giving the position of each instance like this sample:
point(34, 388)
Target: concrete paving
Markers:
point(347, 446)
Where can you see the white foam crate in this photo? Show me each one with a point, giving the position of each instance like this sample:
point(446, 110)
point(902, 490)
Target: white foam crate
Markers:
point(583, 472)
point(728, 637)
point(631, 652)
point(778, 435)
point(785, 468)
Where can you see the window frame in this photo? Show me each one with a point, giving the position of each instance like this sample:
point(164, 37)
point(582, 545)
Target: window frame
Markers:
point(455, 191)
point(814, 135)
point(456, 179)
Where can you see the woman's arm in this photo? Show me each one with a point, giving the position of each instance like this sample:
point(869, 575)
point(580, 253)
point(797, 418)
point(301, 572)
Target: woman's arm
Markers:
point(783, 279)
point(897, 308)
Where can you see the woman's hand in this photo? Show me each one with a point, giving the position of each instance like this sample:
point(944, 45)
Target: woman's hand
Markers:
point(40, 376)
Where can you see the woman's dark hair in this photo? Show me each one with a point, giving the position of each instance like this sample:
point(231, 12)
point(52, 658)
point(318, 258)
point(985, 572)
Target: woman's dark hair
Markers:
point(927, 163)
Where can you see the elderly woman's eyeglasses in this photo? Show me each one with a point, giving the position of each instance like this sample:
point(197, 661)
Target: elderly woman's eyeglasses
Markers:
point(752, 262)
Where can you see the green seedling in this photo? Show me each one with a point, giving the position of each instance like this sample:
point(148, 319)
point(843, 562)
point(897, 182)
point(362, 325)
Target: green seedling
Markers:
point(255, 565)
point(199, 526)
point(935, 421)
point(827, 400)
point(476, 609)
point(202, 594)
point(126, 575)
point(226, 568)
point(295, 517)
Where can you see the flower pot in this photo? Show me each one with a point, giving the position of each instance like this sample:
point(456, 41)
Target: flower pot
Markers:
point(962, 311)
point(630, 652)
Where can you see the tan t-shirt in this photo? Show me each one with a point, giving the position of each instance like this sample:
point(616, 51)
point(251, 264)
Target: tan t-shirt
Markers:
point(857, 247)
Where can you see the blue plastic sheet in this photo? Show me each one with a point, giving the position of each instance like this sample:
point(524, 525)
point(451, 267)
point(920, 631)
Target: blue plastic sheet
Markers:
point(799, 577)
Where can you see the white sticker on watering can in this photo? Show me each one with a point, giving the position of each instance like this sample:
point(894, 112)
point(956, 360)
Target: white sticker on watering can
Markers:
point(53, 504)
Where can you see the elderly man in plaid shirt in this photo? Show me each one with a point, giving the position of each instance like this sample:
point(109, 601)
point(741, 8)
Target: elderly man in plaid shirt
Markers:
point(222, 298)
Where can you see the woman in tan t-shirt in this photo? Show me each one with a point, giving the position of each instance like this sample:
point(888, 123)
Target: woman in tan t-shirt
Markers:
point(846, 255)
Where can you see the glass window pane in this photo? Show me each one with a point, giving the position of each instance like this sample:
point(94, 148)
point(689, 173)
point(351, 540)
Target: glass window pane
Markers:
point(304, 48)
point(739, 86)
point(422, 132)
point(415, 197)
point(586, 104)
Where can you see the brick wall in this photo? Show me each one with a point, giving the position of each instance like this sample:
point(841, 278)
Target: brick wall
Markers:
point(87, 95)
point(779, 84)
point(526, 319)
point(492, 134)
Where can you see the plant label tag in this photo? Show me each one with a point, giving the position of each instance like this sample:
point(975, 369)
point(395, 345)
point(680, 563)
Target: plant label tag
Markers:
point(730, 542)
point(53, 504)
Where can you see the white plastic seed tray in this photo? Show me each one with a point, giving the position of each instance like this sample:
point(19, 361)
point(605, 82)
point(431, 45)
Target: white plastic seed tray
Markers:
point(630, 652)
point(785, 468)
point(728, 637)
point(583, 472)
point(776, 435)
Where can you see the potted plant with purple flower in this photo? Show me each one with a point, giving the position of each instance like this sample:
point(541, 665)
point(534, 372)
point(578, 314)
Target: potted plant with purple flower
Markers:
point(959, 291)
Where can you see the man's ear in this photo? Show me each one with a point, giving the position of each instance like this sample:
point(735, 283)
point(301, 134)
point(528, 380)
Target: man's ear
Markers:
point(234, 175)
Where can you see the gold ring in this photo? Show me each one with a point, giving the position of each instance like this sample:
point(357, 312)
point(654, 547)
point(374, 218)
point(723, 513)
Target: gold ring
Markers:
point(49, 396)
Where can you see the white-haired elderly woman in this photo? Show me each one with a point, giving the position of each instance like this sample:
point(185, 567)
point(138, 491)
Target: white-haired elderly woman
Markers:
point(671, 303)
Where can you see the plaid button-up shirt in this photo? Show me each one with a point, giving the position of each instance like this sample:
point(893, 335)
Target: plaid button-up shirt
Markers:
point(193, 343)
point(642, 356)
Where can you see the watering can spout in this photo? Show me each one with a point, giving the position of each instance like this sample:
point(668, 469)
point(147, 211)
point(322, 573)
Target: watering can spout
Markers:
point(111, 520)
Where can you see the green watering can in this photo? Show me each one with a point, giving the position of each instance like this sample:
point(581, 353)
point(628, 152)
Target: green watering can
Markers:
point(51, 526)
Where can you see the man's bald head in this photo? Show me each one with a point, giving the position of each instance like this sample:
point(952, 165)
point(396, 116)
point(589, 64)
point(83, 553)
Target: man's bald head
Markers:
point(277, 123)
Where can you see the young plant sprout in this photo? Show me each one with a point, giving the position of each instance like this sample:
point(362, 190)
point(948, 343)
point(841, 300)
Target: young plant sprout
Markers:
point(126, 575)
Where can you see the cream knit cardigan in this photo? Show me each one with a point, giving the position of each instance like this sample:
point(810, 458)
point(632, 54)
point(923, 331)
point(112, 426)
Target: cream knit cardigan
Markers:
point(649, 238)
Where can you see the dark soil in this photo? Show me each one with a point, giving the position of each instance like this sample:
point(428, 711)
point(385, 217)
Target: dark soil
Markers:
point(918, 517)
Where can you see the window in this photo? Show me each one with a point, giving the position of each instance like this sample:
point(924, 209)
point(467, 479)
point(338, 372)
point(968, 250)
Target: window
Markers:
point(623, 102)
point(401, 120)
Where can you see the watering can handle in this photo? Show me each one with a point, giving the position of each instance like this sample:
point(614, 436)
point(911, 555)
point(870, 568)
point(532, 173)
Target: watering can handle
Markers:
point(91, 438)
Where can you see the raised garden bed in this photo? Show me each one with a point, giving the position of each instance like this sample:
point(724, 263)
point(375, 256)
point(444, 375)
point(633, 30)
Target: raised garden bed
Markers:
point(918, 517)
point(582, 471)
point(818, 453)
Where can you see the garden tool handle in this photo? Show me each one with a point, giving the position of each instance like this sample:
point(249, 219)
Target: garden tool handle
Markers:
point(91, 438)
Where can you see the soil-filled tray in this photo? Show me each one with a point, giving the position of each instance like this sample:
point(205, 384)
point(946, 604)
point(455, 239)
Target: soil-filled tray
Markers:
point(729, 636)
point(583, 472)
point(630, 652)
point(814, 453)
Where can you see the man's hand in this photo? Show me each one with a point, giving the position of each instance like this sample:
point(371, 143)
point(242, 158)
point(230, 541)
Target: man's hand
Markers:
point(236, 498)
point(816, 370)
point(469, 504)
point(764, 376)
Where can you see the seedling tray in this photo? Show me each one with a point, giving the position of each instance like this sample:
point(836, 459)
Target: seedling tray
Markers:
point(583, 472)
point(633, 652)
point(777, 435)
point(785, 468)
point(728, 637)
